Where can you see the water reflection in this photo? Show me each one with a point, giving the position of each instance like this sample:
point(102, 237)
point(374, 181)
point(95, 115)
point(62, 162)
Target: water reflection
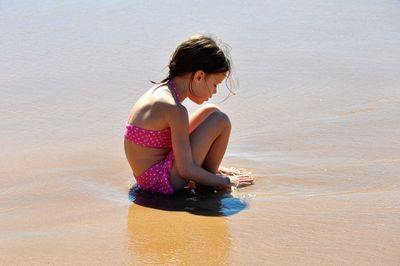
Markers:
point(163, 230)
point(204, 202)
point(164, 237)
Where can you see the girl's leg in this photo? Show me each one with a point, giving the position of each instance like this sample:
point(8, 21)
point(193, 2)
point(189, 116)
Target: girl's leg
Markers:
point(209, 140)
point(202, 113)
point(209, 135)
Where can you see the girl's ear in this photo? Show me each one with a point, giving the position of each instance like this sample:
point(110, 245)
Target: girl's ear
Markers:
point(199, 75)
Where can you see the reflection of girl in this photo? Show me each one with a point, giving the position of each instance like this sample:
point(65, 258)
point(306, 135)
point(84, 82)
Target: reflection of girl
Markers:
point(165, 237)
point(164, 146)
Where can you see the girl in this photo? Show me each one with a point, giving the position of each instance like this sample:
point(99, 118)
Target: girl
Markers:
point(164, 146)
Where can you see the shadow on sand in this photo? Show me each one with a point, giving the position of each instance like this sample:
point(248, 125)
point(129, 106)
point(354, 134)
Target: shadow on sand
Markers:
point(204, 202)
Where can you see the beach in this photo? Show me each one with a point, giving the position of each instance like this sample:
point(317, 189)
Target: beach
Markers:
point(315, 118)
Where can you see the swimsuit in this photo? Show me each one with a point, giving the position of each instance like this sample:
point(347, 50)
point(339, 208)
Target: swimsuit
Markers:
point(154, 179)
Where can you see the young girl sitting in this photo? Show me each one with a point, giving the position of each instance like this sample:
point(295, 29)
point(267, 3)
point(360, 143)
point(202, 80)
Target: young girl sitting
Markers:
point(166, 148)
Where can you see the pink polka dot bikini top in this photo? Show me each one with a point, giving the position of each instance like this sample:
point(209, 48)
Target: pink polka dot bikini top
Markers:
point(151, 138)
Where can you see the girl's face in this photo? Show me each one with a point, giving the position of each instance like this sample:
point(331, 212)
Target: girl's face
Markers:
point(204, 86)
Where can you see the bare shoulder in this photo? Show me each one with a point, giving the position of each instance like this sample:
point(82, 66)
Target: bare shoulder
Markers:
point(176, 114)
point(155, 108)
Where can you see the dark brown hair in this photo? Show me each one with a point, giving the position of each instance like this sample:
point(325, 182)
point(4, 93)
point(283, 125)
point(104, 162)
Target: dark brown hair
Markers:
point(199, 52)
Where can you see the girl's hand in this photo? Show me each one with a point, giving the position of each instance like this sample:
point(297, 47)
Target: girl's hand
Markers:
point(232, 171)
point(238, 177)
point(237, 181)
point(241, 180)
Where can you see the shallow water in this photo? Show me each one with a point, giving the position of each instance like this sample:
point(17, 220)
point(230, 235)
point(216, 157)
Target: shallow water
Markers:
point(315, 118)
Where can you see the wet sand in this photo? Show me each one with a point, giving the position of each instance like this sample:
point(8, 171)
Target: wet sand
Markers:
point(316, 119)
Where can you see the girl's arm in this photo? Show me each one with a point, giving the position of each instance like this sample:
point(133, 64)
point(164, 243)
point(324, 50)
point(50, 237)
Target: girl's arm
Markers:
point(178, 121)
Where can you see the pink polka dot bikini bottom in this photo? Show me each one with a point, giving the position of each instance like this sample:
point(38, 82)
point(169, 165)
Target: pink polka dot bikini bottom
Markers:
point(156, 178)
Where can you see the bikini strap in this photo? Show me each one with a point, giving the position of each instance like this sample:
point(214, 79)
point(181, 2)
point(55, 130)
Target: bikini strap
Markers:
point(174, 90)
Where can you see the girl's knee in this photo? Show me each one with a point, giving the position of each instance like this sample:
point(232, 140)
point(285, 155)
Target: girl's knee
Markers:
point(210, 113)
point(222, 118)
point(210, 108)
